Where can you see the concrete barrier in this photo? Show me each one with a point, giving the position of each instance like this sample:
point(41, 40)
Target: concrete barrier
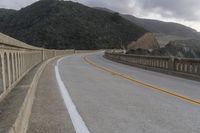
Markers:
point(183, 67)
point(18, 58)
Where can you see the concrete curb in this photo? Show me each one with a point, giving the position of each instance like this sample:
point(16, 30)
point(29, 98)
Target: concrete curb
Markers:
point(21, 123)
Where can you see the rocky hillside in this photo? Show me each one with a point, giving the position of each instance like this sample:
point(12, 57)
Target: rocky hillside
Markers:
point(148, 45)
point(164, 39)
point(181, 48)
point(65, 24)
point(147, 41)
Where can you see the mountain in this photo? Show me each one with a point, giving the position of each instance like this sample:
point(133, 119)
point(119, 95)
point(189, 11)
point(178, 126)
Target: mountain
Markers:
point(66, 24)
point(174, 30)
point(104, 9)
point(167, 28)
point(5, 13)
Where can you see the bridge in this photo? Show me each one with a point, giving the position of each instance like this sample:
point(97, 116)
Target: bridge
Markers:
point(68, 91)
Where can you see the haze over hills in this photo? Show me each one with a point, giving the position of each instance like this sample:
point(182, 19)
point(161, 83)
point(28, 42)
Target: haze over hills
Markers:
point(168, 28)
point(65, 24)
point(160, 27)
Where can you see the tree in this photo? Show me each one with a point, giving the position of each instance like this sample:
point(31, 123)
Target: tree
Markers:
point(116, 17)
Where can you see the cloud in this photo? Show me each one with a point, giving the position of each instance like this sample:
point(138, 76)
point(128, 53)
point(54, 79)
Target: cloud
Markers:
point(182, 9)
point(15, 4)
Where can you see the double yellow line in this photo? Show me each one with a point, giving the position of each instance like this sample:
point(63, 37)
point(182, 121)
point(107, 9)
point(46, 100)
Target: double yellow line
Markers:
point(143, 84)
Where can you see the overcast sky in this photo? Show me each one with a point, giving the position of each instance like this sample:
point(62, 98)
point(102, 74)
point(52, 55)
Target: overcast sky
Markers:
point(186, 12)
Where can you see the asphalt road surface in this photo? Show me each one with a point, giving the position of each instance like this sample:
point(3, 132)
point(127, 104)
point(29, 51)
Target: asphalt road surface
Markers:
point(102, 96)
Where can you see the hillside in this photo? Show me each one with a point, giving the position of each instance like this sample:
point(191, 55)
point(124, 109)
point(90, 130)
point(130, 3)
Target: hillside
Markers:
point(180, 48)
point(5, 13)
point(174, 30)
point(164, 39)
point(167, 28)
point(65, 24)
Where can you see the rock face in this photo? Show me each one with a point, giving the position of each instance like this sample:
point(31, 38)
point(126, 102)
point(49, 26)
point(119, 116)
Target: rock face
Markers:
point(147, 41)
point(148, 45)
point(164, 39)
point(132, 45)
point(180, 48)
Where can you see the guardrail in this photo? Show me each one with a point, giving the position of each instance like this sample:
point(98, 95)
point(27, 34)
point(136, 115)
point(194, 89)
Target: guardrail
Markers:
point(17, 59)
point(179, 66)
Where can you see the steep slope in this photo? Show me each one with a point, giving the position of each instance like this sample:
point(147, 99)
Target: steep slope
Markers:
point(147, 41)
point(65, 24)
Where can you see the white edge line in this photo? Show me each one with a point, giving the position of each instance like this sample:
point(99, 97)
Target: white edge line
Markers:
point(78, 123)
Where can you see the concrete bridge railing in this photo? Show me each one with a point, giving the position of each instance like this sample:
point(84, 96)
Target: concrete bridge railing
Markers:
point(17, 59)
point(178, 66)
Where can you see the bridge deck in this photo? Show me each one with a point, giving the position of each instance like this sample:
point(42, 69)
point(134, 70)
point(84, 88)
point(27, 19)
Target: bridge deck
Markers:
point(109, 103)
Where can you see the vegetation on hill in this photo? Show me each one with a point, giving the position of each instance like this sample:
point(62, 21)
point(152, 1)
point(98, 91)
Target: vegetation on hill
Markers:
point(65, 24)
point(167, 28)
point(160, 27)
point(5, 14)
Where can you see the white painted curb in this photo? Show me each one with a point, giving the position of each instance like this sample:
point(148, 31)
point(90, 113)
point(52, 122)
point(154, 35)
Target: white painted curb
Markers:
point(78, 123)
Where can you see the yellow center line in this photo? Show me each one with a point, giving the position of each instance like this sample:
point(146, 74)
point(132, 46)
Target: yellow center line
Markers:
point(143, 84)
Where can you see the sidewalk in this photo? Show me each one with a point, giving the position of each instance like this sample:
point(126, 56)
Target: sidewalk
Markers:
point(49, 114)
point(10, 106)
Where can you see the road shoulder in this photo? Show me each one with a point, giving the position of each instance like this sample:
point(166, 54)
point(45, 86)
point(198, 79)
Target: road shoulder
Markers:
point(49, 113)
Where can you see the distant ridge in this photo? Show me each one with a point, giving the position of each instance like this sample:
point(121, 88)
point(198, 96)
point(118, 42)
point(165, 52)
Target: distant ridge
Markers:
point(156, 26)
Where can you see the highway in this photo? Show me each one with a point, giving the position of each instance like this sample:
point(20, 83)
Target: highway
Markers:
point(102, 96)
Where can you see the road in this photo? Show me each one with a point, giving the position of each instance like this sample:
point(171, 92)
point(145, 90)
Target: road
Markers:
point(102, 96)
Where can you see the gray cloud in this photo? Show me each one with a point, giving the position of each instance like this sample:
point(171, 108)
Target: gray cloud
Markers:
point(183, 9)
point(15, 4)
point(179, 9)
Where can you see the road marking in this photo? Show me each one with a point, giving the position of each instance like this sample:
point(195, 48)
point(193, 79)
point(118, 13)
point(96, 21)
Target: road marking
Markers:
point(78, 123)
point(143, 84)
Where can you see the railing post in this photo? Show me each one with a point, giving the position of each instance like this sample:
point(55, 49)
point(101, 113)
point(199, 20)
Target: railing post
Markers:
point(43, 55)
point(171, 63)
point(3, 72)
point(54, 53)
point(9, 69)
